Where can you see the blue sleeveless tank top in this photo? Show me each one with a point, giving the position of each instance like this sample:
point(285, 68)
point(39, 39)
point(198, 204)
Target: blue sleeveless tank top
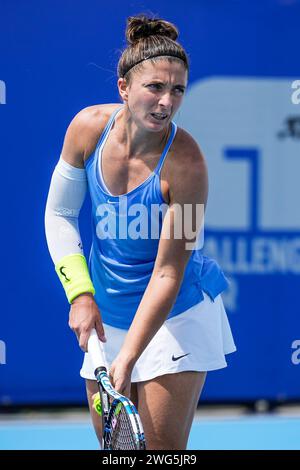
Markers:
point(126, 231)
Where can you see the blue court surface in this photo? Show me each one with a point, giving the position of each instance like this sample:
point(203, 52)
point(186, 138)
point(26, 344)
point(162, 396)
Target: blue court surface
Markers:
point(251, 432)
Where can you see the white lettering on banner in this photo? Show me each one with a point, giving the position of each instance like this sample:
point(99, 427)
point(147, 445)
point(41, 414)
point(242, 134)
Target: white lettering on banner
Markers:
point(250, 133)
point(2, 352)
point(296, 94)
point(257, 255)
point(296, 354)
point(2, 92)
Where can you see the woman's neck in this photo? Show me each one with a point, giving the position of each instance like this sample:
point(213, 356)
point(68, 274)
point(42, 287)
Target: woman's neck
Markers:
point(138, 141)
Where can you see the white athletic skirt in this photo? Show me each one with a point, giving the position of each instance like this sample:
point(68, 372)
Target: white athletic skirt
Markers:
point(196, 340)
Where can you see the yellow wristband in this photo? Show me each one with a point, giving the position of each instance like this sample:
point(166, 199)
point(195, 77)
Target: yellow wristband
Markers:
point(74, 275)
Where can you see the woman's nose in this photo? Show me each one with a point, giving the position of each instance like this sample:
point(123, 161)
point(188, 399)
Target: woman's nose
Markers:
point(166, 100)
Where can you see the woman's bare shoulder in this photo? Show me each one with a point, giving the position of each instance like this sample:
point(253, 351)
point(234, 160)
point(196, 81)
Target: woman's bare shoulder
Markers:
point(186, 147)
point(92, 115)
point(187, 169)
point(84, 132)
point(91, 123)
point(185, 153)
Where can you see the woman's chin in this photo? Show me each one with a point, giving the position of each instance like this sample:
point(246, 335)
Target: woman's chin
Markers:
point(156, 125)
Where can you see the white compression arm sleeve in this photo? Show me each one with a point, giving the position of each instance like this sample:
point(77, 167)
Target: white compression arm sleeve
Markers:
point(66, 196)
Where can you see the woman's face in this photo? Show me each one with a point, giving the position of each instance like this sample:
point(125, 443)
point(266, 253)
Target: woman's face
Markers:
point(155, 93)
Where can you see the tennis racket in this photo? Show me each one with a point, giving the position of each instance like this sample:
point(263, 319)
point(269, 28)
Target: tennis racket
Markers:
point(121, 424)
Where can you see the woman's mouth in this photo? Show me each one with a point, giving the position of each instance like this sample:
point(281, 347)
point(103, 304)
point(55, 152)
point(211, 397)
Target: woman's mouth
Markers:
point(159, 116)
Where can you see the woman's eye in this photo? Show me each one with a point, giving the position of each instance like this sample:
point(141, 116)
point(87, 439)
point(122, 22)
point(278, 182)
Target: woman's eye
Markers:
point(156, 86)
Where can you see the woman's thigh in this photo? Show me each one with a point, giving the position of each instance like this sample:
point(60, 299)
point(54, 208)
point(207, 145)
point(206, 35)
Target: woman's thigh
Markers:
point(167, 406)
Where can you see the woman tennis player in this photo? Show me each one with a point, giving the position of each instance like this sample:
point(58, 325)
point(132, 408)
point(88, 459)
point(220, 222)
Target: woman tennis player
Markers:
point(154, 302)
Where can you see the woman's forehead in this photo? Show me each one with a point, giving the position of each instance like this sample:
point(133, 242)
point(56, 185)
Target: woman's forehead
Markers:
point(162, 69)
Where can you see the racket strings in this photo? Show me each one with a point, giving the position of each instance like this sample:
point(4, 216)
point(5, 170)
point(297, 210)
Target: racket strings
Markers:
point(122, 436)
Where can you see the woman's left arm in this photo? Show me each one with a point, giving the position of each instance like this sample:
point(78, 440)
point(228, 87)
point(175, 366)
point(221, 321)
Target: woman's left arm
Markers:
point(188, 187)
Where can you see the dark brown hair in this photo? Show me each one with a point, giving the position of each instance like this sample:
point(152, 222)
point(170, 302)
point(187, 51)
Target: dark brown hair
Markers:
point(149, 38)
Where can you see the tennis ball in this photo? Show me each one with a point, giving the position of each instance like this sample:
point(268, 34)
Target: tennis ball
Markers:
point(97, 403)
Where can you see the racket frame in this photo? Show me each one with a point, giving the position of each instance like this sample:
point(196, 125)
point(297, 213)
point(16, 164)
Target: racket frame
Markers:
point(109, 394)
point(110, 397)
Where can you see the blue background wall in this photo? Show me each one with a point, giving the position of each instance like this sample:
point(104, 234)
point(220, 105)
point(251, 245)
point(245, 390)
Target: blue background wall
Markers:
point(59, 57)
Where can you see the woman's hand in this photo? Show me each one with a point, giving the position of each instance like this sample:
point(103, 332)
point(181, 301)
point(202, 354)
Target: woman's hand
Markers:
point(85, 315)
point(120, 375)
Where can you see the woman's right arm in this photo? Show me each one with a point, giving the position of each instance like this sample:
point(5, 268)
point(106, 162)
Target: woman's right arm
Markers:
point(66, 196)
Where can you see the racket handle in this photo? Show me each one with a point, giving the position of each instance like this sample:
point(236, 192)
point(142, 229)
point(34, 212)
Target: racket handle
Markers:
point(95, 351)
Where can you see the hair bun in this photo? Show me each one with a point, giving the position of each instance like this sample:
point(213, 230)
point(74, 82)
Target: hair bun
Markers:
point(141, 26)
